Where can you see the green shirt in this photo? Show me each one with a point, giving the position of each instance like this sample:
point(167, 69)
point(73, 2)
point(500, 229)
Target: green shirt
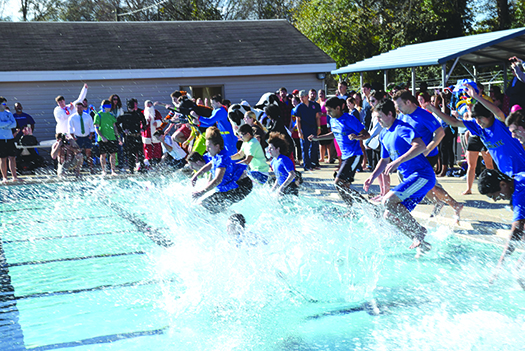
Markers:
point(253, 148)
point(105, 122)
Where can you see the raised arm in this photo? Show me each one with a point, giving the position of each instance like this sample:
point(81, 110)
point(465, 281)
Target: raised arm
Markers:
point(82, 96)
point(489, 105)
point(453, 121)
point(517, 65)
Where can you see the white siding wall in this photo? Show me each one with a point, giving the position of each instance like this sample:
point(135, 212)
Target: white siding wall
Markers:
point(38, 98)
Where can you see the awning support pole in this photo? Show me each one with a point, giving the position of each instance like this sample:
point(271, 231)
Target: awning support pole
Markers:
point(443, 76)
point(505, 77)
point(451, 69)
point(414, 81)
point(360, 80)
point(385, 78)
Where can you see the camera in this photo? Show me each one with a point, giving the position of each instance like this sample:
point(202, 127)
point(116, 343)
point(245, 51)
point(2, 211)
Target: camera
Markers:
point(513, 60)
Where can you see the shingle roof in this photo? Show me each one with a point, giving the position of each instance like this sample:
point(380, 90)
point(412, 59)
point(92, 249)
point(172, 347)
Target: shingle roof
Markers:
point(52, 46)
point(480, 49)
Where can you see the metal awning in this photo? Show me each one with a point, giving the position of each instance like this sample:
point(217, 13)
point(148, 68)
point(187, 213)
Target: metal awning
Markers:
point(478, 50)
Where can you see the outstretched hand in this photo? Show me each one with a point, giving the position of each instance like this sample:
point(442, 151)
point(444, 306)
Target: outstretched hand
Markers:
point(367, 184)
point(471, 91)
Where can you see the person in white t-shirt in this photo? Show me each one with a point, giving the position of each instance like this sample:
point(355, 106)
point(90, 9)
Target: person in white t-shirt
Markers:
point(63, 111)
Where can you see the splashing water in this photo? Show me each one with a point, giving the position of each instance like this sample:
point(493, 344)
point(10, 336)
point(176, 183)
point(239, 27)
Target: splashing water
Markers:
point(313, 280)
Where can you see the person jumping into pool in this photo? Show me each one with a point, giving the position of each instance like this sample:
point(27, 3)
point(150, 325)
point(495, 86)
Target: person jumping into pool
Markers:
point(252, 154)
point(282, 165)
point(229, 178)
point(498, 186)
point(348, 131)
point(489, 124)
point(402, 149)
point(236, 230)
point(220, 116)
point(430, 130)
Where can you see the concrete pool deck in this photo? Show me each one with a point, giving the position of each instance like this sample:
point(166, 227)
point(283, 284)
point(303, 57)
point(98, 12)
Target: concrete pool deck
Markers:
point(481, 218)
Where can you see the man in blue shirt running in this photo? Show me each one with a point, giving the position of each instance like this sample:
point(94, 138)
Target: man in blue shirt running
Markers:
point(498, 186)
point(220, 116)
point(402, 149)
point(489, 124)
point(430, 130)
point(348, 131)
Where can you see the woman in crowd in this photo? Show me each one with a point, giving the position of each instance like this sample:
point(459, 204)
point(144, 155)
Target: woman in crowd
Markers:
point(258, 129)
point(325, 146)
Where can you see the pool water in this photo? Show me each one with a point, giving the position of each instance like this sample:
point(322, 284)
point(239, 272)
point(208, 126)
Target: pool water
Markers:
point(136, 265)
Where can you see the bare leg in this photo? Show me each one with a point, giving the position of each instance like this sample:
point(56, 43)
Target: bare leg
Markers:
point(329, 149)
point(112, 163)
point(3, 167)
point(399, 215)
point(322, 152)
point(12, 167)
point(438, 194)
point(348, 194)
point(79, 159)
point(103, 163)
point(488, 160)
point(89, 160)
point(386, 182)
point(472, 159)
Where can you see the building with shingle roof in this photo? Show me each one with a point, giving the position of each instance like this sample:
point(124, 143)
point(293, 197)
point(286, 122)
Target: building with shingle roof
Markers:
point(149, 60)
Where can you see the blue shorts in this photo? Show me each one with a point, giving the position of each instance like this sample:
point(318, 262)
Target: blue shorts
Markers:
point(84, 143)
point(414, 188)
point(259, 176)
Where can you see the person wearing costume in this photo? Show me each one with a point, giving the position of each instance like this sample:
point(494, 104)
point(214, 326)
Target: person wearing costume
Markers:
point(152, 144)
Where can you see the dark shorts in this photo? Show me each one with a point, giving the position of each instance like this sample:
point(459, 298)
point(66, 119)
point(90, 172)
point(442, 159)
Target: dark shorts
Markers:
point(219, 201)
point(291, 189)
point(475, 144)
point(84, 143)
point(348, 168)
point(7, 148)
point(324, 130)
point(433, 160)
point(108, 147)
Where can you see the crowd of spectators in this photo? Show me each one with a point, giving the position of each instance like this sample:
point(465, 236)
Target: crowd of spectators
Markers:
point(363, 130)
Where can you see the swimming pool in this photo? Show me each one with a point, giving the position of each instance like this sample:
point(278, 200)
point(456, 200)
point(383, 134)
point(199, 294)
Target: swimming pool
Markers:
point(135, 265)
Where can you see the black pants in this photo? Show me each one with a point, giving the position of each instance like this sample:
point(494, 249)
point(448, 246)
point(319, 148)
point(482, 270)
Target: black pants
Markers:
point(446, 148)
point(134, 152)
point(219, 201)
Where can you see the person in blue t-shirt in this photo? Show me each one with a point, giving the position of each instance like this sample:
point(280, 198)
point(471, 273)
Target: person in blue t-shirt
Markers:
point(220, 116)
point(308, 114)
point(282, 165)
point(431, 131)
point(498, 186)
point(402, 149)
point(489, 124)
point(230, 179)
point(348, 131)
